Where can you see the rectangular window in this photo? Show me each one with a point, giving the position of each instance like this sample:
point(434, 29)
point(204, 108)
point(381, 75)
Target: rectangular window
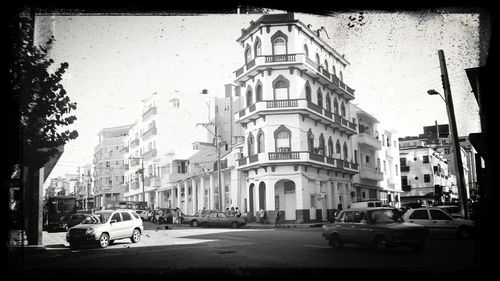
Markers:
point(288, 187)
point(378, 164)
point(355, 156)
point(276, 202)
point(426, 159)
point(427, 178)
point(383, 140)
point(404, 180)
point(367, 158)
point(397, 169)
point(384, 166)
point(388, 142)
point(402, 161)
point(313, 200)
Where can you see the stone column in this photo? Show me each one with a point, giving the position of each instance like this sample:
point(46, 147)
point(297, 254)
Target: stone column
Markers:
point(223, 192)
point(178, 187)
point(211, 193)
point(186, 197)
point(234, 187)
point(301, 192)
point(194, 195)
point(201, 194)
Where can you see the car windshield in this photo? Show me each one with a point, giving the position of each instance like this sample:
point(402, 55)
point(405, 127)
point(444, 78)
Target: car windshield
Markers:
point(382, 216)
point(96, 218)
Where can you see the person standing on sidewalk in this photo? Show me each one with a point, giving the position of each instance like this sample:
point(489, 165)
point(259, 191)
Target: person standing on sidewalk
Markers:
point(262, 213)
point(278, 219)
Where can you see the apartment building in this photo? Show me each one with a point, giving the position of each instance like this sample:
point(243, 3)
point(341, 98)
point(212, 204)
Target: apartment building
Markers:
point(376, 151)
point(109, 168)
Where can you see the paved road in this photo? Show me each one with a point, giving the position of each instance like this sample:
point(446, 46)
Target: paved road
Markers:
point(240, 250)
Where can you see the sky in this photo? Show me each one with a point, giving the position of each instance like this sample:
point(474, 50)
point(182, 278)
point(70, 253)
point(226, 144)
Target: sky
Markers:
point(115, 60)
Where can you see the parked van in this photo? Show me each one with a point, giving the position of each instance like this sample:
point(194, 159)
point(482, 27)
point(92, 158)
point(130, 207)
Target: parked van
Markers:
point(366, 204)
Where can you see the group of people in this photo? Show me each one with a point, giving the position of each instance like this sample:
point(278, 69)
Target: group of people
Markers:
point(277, 221)
point(233, 212)
point(160, 216)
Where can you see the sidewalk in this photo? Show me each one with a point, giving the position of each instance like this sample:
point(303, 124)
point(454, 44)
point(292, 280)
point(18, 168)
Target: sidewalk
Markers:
point(284, 225)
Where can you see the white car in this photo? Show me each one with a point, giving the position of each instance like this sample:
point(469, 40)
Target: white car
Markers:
point(106, 226)
point(143, 214)
point(440, 222)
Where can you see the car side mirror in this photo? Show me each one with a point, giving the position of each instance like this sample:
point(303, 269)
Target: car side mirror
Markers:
point(113, 221)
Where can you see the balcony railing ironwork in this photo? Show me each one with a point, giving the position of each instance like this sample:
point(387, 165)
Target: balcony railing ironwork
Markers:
point(284, 155)
point(250, 64)
point(316, 157)
point(281, 103)
point(280, 58)
point(314, 107)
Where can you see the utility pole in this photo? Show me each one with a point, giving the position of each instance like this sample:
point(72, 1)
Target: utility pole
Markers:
point(451, 117)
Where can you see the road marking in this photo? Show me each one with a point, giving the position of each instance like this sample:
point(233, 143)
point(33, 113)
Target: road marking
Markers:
point(317, 246)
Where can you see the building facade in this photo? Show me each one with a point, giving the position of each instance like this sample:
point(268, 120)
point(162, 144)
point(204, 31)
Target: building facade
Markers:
point(297, 154)
point(376, 150)
point(109, 168)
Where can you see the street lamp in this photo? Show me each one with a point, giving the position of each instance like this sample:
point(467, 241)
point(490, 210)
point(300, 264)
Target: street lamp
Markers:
point(454, 135)
point(142, 176)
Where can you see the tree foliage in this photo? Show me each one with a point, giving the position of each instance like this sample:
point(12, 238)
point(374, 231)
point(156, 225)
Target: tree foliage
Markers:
point(44, 107)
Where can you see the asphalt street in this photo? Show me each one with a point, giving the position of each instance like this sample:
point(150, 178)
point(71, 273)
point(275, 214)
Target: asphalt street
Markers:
point(240, 251)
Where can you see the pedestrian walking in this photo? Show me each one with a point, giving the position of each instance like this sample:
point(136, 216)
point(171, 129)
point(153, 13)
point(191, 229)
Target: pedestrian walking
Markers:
point(232, 212)
point(278, 219)
point(262, 213)
point(178, 215)
point(227, 212)
point(237, 212)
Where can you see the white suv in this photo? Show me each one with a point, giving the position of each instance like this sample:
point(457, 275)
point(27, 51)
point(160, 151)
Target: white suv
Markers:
point(106, 226)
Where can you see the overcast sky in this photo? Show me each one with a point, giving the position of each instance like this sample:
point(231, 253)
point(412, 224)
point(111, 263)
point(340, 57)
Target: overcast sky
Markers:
point(115, 60)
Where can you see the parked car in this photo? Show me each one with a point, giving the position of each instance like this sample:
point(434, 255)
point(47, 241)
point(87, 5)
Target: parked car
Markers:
point(106, 226)
point(143, 214)
point(440, 222)
point(366, 204)
point(66, 221)
point(453, 210)
point(380, 227)
point(214, 218)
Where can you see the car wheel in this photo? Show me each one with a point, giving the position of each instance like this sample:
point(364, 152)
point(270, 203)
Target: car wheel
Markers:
point(381, 244)
point(335, 242)
point(195, 223)
point(74, 246)
point(234, 224)
point(464, 232)
point(204, 224)
point(104, 240)
point(417, 247)
point(136, 236)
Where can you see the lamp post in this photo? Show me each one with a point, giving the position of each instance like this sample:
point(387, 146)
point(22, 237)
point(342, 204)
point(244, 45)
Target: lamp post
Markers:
point(142, 176)
point(454, 135)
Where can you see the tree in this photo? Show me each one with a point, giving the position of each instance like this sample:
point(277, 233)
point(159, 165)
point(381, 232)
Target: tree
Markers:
point(44, 106)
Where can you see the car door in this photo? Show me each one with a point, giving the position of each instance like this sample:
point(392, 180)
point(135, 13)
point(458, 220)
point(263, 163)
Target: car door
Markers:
point(223, 220)
point(116, 228)
point(359, 228)
point(346, 226)
point(128, 224)
point(442, 222)
point(420, 216)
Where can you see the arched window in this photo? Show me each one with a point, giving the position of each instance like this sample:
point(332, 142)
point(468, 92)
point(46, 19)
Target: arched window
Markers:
point(257, 48)
point(328, 102)
point(260, 141)
point(308, 93)
point(341, 76)
point(338, 149)
point(249, 97)
point(317, 60)
point(310, 141)
point(335, 106)
point(321, 145)
point(279, 46)
point(333, 70)
point(330, 147)
point(280, 88)
point(282, 138)
point(251, 144)
point(306, 51)
point(258, 93)
point(342, 109)
point(326, 65)
point(248, 54)
point(345, 151)
point(320, 98)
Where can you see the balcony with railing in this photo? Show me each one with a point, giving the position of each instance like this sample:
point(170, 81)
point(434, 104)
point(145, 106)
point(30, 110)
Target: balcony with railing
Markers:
point(370, 141)
point(124, 149)
point(302, 106)
point(134, 143)
point(223, 164)
point(148, 155)
point(370, 174)
point(150, 112)
point(299, 61)
point(134, 162)
point(294, 157)
point(150, 132)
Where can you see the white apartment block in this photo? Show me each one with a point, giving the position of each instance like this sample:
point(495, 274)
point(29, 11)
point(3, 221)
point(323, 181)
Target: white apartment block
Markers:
point(377, 152)
point(166, 126)
point(108, 166)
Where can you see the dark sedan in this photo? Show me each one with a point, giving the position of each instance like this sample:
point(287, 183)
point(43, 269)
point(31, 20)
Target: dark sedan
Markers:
point(381, 228)
point(67, 221)
point(214, 218)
